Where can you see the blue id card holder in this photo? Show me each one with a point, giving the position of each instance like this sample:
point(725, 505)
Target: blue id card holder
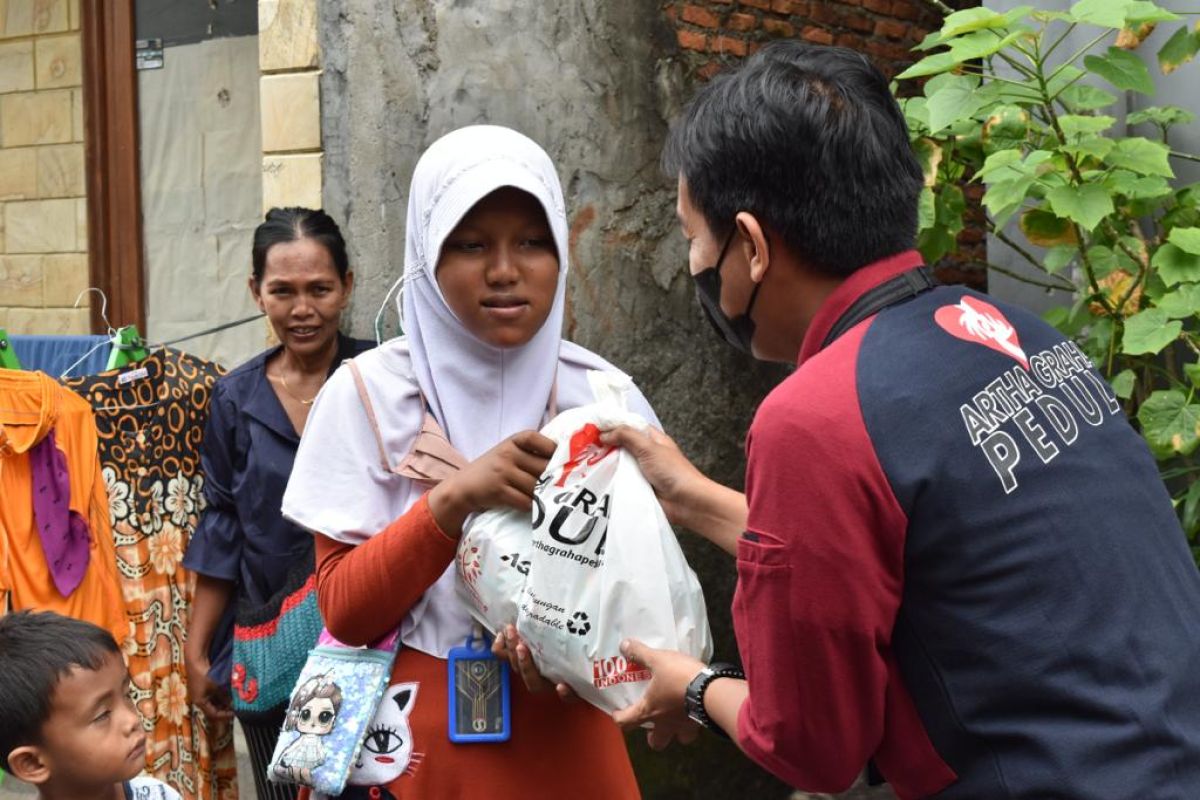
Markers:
point(480, 710)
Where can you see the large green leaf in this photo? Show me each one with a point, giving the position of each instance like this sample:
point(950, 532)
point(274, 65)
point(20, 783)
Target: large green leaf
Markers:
point(916, 113)
point(1122, 69)
point(1186, 239)
point(1005, 199)
point(1162, 115)
point(1179, 49)
point(1105, 13)
point(1082, 97)
point(949, 207)
point(1148, 188)
point(954, 100)
point(926, 210)
point(929, 156)
point(1142, 156)
point(1074, 125)
point(1149, 332)
point(1169, 422)
point(1087, 204)
point(1191, 504)
point(930, 65)
point(1005, 164)
point(1006, 128)
point(1143, 12)
point(971, 19)
point(1045, 229)
point(1058, 257)
point(1181, 302)
point(934, 243)
point(930, 41)
point(1096, 147)
point(1123, 383)
point(973, 45)
point(1103, 260)
point(1175, 265)
point(1009, 180)
point(982, 43)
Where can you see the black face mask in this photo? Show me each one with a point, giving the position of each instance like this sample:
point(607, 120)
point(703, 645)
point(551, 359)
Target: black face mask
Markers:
point(739, 331)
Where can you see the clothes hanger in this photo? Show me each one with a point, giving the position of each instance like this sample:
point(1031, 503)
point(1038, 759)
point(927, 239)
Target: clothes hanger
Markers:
point(8, 356)
point(109, 332)
point(127, 344)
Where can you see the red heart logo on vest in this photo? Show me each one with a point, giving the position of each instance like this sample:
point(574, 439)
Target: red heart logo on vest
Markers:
point(973, 320)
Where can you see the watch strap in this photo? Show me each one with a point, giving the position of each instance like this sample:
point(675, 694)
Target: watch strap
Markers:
point(694, 695)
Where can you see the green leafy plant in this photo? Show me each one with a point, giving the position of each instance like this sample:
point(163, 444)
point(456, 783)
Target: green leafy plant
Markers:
point(1006, 105)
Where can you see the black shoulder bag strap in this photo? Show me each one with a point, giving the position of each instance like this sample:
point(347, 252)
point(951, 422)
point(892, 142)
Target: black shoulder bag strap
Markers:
point(902, 287)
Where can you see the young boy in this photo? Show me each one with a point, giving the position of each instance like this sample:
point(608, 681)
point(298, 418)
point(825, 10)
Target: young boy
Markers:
point(69, 726)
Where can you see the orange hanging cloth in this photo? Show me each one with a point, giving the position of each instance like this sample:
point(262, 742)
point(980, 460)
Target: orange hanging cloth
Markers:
point(32, 405)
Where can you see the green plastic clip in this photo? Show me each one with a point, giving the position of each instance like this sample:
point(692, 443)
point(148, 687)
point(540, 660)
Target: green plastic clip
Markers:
point(128, 347)
point(8, 356)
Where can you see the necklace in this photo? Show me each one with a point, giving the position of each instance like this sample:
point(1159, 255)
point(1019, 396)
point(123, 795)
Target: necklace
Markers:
point(293, 395)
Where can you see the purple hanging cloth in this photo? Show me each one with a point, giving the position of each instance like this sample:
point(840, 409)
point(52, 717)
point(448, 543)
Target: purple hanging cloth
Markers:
point(64, 533)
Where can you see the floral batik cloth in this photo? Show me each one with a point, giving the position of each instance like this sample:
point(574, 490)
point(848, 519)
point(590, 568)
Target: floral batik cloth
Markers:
point(151, 416)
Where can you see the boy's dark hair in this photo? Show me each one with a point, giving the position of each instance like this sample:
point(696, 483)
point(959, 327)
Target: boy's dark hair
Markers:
point(810, 140)
point(36, 650)
point(283, 225)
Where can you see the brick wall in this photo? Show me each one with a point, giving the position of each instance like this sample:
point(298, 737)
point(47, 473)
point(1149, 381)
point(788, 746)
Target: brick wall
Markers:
point(715, 34)
point(43, 211)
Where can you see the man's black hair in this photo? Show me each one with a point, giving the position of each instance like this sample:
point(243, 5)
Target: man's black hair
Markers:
point(36, 650)
point(810, 140)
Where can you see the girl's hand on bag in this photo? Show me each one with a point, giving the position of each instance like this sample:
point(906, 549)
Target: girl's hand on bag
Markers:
point(504, 476)
point(211, 698)
point(508, 646)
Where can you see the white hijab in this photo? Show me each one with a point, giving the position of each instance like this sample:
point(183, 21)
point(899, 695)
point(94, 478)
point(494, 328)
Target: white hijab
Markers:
point(479, 393)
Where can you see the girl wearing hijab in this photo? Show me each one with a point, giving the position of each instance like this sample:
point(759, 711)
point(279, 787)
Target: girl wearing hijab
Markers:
point(454, 404)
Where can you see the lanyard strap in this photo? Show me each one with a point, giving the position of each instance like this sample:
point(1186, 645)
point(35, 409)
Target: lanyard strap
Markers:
point(902, 287)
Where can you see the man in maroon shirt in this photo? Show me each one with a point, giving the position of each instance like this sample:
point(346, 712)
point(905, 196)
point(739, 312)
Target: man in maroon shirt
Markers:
point(955, 557)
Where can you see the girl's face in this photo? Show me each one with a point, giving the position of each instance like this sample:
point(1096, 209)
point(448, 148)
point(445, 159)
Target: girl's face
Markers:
point(316, 716)
point(302, 295)
point(498, 269)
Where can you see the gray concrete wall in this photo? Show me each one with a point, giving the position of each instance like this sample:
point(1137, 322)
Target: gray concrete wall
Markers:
point(593, 81)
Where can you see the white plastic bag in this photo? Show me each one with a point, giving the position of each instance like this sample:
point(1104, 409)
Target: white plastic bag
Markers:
point(604, 564)
point(493, 560)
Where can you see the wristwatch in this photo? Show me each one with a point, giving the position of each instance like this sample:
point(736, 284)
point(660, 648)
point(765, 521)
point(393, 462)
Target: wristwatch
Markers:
point(693, 697)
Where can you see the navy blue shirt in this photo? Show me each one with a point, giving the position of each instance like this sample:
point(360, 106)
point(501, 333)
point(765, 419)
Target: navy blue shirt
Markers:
point(249, 447)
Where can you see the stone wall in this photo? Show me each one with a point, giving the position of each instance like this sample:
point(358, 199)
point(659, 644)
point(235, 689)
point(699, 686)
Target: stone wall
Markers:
point(43, 210)
point(289, 93)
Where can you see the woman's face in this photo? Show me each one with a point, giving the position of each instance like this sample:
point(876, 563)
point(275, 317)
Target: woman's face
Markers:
point(498, 269)
point(303, 295)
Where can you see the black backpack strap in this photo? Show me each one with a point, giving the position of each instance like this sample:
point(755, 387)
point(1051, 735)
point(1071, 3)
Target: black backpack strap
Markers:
point(902, 287)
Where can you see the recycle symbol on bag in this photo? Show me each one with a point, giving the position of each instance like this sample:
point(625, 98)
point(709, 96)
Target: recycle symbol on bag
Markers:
point(578, 624)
